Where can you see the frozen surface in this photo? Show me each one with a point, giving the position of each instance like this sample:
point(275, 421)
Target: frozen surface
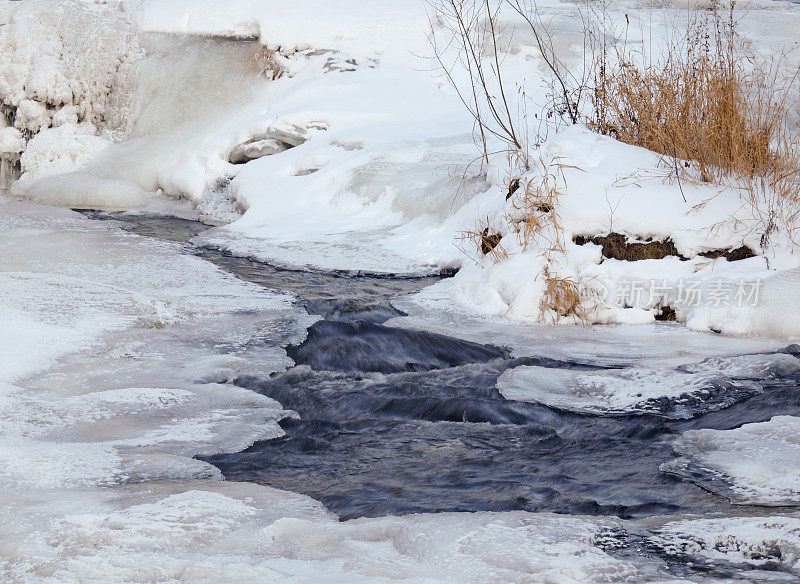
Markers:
point(662, 345)
point(98, 430)
point(755, 542)
point(154, 337)
point(755, 464)
point(203, 533)
point(677, 392)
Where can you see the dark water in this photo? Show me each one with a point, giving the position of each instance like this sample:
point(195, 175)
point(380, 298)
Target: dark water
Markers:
point(446, 440)
point(395, 421)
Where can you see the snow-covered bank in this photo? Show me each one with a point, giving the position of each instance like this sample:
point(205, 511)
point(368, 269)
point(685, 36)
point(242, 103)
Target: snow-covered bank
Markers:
point(664, 369)
point(354, 161)
point(335, 143)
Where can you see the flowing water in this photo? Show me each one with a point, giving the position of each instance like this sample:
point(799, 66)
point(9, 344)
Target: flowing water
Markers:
point(395, 421)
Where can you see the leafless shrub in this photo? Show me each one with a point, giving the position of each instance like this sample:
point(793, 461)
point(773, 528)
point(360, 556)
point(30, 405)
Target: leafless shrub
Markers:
point(466, 39)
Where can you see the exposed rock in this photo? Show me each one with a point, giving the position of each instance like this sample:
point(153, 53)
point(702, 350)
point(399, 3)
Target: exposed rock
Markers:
point(512, 188)
point(666, 314)
point(732, 255)
point(256, 149)
point(306, 171)
point(489, 241)
point(616, 246)
point(273, 141)
point(339, 63)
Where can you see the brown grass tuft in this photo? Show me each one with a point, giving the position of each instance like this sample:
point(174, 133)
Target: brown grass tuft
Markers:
point(562, 298)
point(270, 63)
point(710, 107)
point(536, 211)
point(536, 217)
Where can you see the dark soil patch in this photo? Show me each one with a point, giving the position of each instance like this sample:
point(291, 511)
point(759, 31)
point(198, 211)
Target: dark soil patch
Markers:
point(616, 246)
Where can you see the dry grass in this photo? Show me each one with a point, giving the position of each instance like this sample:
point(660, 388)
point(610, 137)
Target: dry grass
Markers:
point(486, 241)
point(698, 109)
point(562, 298)
point(536, 211)
point(535, 215)
point(714, 111)
point(270, 63)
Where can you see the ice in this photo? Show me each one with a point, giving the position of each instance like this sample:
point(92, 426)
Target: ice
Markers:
point(750, 541)
point(754, 464)
point(244, 533)
point(680, 392)
point(109, 361)
point(178, 124)
point(644, 345)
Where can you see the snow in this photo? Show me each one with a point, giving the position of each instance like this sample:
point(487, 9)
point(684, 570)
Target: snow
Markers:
point(751, 541)
point(312, 24)
point(359, 156)
point(125, 312)
point(244, 533)
point(663, 346)
point(97, 434)
point(756, 463)
point(117, 354)
point(11, 141)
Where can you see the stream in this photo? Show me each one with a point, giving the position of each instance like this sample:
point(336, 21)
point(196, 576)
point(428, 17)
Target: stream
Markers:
point(394, 421)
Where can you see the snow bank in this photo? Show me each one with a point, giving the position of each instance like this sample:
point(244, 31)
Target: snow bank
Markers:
point(358, 156)
point(734, 297)
point(755, 464)
point(360, 31)
point(61, 62)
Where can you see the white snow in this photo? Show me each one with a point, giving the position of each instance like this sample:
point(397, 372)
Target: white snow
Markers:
point(757, 463)
point(117, 353)
point(374, 176)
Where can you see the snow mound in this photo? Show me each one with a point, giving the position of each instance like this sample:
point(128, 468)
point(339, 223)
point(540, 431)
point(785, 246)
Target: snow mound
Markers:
point(755, 464)
point(61, 63)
